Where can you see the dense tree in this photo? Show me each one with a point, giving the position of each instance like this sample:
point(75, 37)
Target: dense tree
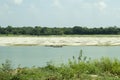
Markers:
point(46, 31)
point(57, 31)
point(0, 30)
point(77, 30)
point(38, 30)
point(67, 30)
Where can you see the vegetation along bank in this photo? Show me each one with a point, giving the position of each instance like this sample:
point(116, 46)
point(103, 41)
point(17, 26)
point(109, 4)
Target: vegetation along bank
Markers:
point(76, 30)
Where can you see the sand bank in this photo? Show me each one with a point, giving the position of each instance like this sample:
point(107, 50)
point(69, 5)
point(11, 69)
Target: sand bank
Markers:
point(58, 41)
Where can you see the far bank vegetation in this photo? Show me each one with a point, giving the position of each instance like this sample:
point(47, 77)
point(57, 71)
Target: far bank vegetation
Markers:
point(76, 30)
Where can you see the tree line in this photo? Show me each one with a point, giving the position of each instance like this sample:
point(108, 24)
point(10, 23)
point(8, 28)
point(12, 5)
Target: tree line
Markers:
point(76, 30)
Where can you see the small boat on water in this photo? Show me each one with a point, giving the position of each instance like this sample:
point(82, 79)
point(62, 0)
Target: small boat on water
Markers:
point(55, 46)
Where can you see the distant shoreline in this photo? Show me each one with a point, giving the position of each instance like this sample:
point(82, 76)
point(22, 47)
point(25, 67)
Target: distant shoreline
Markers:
point(60, 41)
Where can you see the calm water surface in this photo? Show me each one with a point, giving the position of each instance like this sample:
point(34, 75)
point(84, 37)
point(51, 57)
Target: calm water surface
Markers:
point(28, 56)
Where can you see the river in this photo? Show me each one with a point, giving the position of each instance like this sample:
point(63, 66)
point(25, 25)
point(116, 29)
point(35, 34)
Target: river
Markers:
point(28, 56)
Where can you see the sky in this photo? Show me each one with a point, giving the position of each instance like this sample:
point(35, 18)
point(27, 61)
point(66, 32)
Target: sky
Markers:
point(60, 13)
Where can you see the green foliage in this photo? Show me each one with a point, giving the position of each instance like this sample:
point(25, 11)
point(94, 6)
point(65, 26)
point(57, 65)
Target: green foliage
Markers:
point(6, 66)
point(76, 30)
point(5, 75)
point(5, 70)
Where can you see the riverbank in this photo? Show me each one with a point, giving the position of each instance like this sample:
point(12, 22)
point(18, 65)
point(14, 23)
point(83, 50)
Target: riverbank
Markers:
point(60, 41)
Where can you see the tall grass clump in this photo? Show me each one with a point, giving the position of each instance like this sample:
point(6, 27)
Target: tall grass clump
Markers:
point(5, 70)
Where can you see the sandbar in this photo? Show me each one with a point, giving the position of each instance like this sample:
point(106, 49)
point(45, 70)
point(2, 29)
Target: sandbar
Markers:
point(59, 41)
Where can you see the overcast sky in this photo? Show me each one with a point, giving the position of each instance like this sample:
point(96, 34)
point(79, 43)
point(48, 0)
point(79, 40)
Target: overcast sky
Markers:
point(53, 13)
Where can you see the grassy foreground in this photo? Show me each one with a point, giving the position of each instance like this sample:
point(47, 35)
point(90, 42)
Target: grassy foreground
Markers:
point(81, 68)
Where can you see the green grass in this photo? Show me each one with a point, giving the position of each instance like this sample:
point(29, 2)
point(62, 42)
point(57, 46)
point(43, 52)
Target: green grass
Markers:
point(80, 68)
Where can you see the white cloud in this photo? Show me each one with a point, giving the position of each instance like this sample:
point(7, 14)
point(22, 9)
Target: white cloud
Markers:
point(57, 3)
point(101, 5)
point(18, 2)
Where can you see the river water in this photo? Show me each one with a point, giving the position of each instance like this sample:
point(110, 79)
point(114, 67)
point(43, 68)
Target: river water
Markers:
point(28, 56)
